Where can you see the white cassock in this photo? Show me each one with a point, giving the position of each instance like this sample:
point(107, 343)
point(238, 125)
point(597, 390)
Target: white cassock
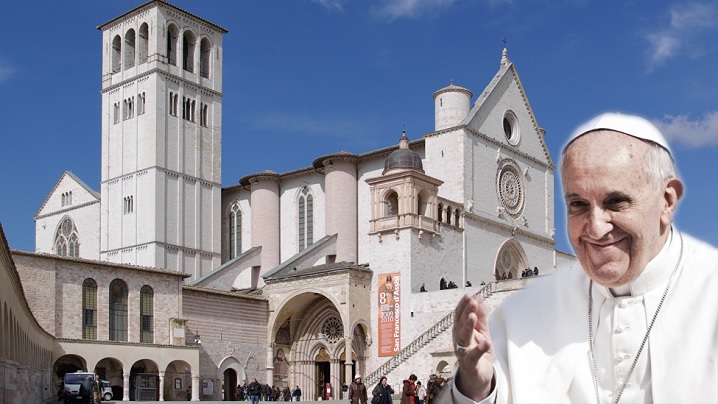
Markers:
point(541, 343)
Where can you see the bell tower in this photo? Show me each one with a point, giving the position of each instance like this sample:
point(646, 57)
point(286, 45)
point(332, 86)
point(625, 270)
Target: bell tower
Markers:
point(161, 139)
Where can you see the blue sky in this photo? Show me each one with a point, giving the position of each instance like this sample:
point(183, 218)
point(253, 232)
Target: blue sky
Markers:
point(303, 78)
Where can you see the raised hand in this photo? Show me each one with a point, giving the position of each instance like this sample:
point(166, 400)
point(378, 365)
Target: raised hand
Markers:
point(473, 348)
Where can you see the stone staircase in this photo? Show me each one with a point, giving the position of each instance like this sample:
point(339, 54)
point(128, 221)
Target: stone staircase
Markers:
point(422, 340)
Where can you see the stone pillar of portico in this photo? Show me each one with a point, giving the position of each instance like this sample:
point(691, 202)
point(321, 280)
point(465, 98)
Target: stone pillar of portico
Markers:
point(335, 378)
point(195, 387)
point(126, 386)
point(348, 362)
point(270, 365)
point(162, 386)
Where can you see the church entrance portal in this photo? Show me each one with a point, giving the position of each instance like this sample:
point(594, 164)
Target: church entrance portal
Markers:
point(322, 372)
point(230, 385)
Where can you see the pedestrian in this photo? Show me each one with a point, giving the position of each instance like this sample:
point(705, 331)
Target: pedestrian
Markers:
point(254, 390)
point(297, 394)
point(86, 389)
point(420, 392)
point(357, 391)
point(97, 390)
point(640, 273)
point(382, 392)
point(408, 391)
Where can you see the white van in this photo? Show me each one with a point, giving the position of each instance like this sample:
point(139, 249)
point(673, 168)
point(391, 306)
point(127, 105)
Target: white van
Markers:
point(72, 387)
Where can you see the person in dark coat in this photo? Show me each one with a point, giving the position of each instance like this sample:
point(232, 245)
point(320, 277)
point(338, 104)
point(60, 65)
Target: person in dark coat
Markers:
point(86, 389)
point(382, 392)
point(254, 390)
point(297, 393)
point(357, 391)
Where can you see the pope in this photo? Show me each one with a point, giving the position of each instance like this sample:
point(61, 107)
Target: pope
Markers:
point(638, 324)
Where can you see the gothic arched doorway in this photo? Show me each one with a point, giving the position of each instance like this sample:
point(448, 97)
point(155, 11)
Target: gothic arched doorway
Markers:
point(230, 385)
point(510, 261)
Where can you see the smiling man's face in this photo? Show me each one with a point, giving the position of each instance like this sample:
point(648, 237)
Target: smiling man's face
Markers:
point(618, 218)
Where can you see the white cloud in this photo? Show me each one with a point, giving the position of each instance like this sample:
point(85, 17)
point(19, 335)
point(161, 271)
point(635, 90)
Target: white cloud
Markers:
point(397, 9)
point(332, 5)
point(694, 133)
point(689, 22)
point(5, 72)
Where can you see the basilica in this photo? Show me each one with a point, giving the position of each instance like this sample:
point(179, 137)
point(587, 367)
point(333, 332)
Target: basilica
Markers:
point(172, 287)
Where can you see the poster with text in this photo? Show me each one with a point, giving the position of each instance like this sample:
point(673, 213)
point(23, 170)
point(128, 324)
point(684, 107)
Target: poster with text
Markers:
point(389, 324)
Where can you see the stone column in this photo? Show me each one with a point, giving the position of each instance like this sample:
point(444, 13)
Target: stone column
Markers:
point(196, 386)
point(270, 366)
point(126, 386)
point(335, 378)
point(348, 377)
point(162, 386)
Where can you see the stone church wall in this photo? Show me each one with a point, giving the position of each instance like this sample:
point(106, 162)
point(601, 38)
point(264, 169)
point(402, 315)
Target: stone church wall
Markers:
point(233, 329)
point(54, 288)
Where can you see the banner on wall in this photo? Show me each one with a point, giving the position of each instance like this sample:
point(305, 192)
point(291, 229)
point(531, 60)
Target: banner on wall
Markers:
point(389, 322)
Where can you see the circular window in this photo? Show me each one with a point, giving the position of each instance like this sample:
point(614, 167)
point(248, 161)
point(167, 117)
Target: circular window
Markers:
point(333, 329)
point(511, 128)
point(510, 188)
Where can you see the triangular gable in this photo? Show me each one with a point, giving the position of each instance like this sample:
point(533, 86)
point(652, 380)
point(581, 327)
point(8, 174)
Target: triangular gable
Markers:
point(82, 195)
point(505, 92)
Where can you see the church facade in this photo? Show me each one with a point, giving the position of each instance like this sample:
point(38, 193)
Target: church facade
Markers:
point(350, 265)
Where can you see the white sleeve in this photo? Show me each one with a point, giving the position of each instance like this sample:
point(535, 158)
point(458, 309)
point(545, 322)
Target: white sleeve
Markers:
point(459, 398)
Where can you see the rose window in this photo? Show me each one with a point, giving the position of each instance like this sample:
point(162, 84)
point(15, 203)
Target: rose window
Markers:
point(332, 329)
point(510, 188)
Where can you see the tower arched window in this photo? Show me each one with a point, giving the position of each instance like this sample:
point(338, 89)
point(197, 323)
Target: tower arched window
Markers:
point(305, 216)
point(118, 310)
point(67, 242)
point(421, 201)
point(147, 296)
point(172, 37)
point(89, 309)
point(188, 43)
point(391, 204)
point(129, 48)
point(142, 47)
point(205, 51)
point(440, 213)
point(448, 215)
point(235, 231)
point(116, 54)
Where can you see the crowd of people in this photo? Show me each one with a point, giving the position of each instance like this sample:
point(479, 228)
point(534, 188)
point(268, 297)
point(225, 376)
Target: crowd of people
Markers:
point(411, 391)
point(255, 392)
point(529, 272)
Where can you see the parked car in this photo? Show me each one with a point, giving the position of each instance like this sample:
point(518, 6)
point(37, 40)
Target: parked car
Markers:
point(72, 387)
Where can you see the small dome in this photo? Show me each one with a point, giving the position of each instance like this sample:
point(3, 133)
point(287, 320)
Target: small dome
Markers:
point(403, 157)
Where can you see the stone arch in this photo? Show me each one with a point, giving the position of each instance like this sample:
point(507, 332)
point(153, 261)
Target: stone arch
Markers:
point(178, 390)
point(390, 199)
point(422, 203)
point(510, 260)
point(129, 52)
point(172, 43)
point(444, 369)
point(205, 56)
point(189, 43)
point(230, 371)
point(290, 300)
point(116, 54)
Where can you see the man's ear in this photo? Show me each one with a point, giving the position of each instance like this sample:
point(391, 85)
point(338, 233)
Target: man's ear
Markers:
point(671, 195)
